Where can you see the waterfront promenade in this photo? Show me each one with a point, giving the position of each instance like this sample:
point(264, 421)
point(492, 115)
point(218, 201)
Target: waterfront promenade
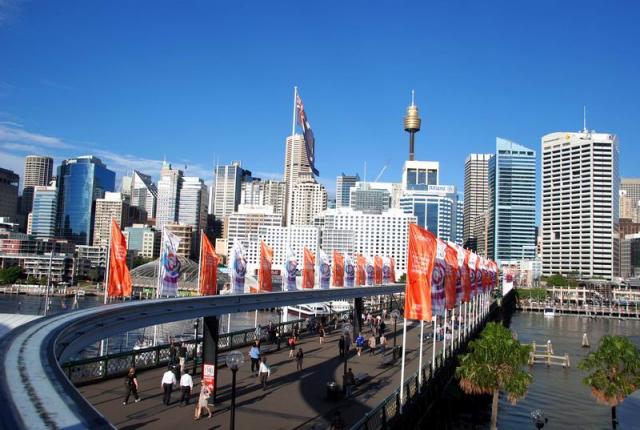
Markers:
point(293, 399)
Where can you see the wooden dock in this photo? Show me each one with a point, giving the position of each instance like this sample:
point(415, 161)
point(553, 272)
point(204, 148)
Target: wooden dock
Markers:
point(543, 354)
point(592, 311)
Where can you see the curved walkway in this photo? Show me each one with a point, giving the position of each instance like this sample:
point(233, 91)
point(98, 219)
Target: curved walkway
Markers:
point(293, 399)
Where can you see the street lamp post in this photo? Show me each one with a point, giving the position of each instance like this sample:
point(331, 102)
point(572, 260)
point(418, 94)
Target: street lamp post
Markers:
point(196, 322)
point(346, 330)
point(234, 360)
point(395, 315)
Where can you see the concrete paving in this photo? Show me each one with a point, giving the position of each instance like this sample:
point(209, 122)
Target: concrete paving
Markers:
point(293, 399)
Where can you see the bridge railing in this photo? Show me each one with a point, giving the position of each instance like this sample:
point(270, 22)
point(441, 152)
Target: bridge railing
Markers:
point(94, 369)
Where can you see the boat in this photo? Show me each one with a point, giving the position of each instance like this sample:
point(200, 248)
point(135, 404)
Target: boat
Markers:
point(549, 311)
point(308, 310)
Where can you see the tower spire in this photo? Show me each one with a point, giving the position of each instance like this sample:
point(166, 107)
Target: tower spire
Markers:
point(412, 123)
point(584, 119)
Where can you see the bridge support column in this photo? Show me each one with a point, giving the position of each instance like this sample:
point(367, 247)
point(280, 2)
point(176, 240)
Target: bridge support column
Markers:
point(358, 309)
point(210, 349)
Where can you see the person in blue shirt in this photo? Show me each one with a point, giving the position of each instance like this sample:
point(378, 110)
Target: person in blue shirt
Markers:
point(254, 355)
point(359, 343)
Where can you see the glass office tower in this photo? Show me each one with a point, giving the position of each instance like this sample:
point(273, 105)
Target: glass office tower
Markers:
point(81, 181)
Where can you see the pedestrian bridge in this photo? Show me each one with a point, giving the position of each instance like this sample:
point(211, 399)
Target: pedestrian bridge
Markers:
point(36, 392)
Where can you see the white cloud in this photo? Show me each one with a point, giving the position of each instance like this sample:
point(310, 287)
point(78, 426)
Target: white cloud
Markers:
point(13, 133)
point(20, 147)
point(8, 8)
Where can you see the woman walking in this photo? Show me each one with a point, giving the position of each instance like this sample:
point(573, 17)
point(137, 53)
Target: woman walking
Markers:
point(131, 384)
point(322, 333)
point(299, 357)
point(203, 402)
point(292, 346)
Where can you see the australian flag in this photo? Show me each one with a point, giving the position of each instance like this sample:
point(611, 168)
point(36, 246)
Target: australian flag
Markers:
point(309, 140)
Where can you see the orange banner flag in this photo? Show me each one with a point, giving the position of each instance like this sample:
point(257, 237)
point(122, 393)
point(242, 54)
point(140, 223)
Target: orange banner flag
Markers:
point(119, 278)
point(361, 263)
point(466, 277)
point(264, 273)
point(451, 277)
point(338, 269)
point(377, 267)
point(392, 270)
point(208, 281)
point(308, 269)
point(421, 257)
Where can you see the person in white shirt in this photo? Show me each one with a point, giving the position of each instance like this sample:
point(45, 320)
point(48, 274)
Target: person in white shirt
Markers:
point(264, 372)
point(168, 381)
point(186, 385)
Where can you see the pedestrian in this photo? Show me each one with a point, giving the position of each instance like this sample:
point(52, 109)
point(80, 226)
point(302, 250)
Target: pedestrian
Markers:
point(383, 326)
point(182, 356)
point(349, 382)
point(372, 344)
point(292, 346)
point(186, 385)
point(359, 344)
point(341, 343)
point(347, 342)
point(264, 373)
point(168, 381)
point(299, 357)
point(203, 402)
point(322, 333)
point(254, 355)
point(338, 423)
point(383, 344)
point(131, 385)
point(278, 338)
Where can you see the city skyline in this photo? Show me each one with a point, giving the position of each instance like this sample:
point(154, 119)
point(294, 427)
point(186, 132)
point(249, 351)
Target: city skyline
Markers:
point(351, 113)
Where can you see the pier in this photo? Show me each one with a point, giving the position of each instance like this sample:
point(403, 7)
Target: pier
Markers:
point(543, 354)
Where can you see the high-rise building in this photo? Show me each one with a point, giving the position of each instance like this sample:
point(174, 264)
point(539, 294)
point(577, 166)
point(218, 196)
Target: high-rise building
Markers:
point(459, 221)
point(296, 169)
point(385, 234)
point(264, 193)
point(90, 261)
point(168, 203)
point(280, 239)
point(81, 181)
point(193, 208)
point(185, 234)
point(144, 194)
point(632, 187)
point(142, 241)
point(630, 256)
point(37, 172)
point(8, 193)
point(418, 175)
point(580, 190)
point(512, 193)
point(480, 234)
point(344, 184)
point(228, 188)
point(112, 206)
point(435, 209)
point(476, 191)
point(368, 199)
point(243, 225)
point(44, 210)
point(309, 199)
point(630, 199)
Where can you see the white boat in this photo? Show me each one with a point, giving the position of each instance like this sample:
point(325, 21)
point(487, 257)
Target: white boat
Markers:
point(339, 305)
point(549, 311)
point(309, 309)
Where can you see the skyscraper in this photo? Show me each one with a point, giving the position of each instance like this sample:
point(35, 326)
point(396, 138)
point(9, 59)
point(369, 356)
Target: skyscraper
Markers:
point(261, 193)
point(144, 193)
point(309, 199)
point(112, 206)
point(476, 192)
point(580, 190)
point(81, 181)
point(169, 188)
point(228, 188)
point(8, 193)
point(37, 172)
point(630, 199)
point(512, 193)
point(43, 213)
point(296, 168)
point(193, 208)
point(344, 183)
point(368, 199)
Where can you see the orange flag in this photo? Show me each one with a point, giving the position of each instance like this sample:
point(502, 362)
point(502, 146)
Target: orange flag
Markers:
point(421, 257)
point(377, 267)
point(451, 278)
point(208, 283)
point(119, 279)
point(338, 269)
point(264, 273)
point(361, 263)
point(392, 270)
point(466, 277)
point(308, 269)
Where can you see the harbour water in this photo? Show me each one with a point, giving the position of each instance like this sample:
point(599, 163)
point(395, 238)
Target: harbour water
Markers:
point(559, 393)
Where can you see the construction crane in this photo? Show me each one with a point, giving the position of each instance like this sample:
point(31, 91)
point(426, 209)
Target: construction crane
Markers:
point(386, 164)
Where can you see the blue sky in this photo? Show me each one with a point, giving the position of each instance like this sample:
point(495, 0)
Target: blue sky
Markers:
point(133, 82)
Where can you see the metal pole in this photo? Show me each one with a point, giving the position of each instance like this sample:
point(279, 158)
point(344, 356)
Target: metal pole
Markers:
point(453, 327)
point(293, 132)
point(232, 425)
point(46, 292)
point(444, 337)
point(420, 359)
point(433, 351)
point(404, 348)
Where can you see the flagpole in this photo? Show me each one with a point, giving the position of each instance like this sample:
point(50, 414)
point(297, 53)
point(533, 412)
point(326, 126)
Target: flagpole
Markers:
point(444, 337)
point(106, 275)
point(404, 351)
point(453, 327)
point(293, 132)
point(433, 350)
point(155, 326)
point(200, 262)
point(420, 359)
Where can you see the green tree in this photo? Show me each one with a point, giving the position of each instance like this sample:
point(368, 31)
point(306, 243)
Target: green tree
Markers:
point(557, 280)
point(10, 275)
point(139, 260)
point(494, 364)
point(403, 278)
point(614, 371)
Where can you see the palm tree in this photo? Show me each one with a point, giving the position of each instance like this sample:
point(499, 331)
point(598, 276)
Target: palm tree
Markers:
point(614, 371)
point(494, 364)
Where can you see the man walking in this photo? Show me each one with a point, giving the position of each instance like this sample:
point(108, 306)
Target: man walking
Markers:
point(168, 381)
point(264, 373)
point(349, 382)
point(341, 343)
point(186, 385)
point(254, 355)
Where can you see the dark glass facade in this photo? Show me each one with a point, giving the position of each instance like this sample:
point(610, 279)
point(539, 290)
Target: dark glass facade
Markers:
point(80, 182)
